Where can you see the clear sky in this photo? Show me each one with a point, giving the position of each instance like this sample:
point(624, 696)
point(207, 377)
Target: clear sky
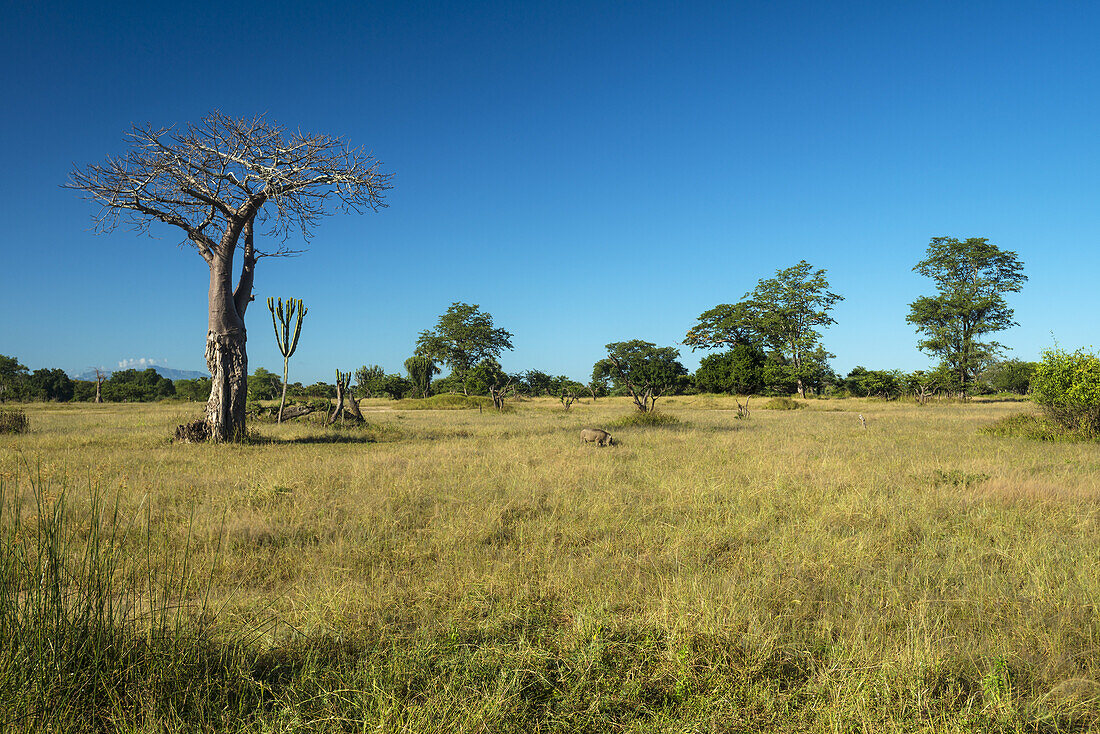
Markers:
point(587, 172)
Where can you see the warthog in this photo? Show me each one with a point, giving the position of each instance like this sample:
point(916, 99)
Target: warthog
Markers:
point(602, 438)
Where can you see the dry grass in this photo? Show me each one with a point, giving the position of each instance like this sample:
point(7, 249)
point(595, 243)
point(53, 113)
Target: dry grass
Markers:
point(793, 571)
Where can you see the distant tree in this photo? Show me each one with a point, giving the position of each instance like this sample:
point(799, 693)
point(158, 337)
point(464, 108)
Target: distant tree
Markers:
point(48, 384)
point(421, 370)
point(396, 386)
point(318, 390)
point(1009, 376)
point(131, 386)
point(784, 314)
point(222, 182)
point(971, 278)
point(538, 382)
point(197, 389)
point(463, 337)
point(451, 384)
point(567, 390)
point(287, 322)
point(12, 376)
point(738, 371)
point(370, 381)
point(789, 310)
point(884, 384)
point(923, 385)
point(263, 385)
point(643, 369)
point(778, 376)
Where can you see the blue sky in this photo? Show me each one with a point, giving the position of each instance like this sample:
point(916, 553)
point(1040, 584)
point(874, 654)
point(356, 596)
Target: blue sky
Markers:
point(586, 172)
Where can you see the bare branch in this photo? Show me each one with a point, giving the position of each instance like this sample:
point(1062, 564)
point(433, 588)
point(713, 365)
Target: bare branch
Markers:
point(226, 171)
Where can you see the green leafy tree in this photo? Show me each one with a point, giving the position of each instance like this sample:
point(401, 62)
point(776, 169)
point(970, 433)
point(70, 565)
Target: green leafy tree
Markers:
point(726, 325)
point(784, 314)
point(421, 370)
point(1009, 376)
point(789, 310)
point(49, 384)
point(463, 337)
point(924, 384)
point(12, 376)
point(396, 386)
point(370, 381)
point(1068, 387)
point(538, 382)
point(885, 384)
point(131, 386)
point(197, 389)
point(263, 385)
point(644, 370)
point(971, 278)
point(737, 371)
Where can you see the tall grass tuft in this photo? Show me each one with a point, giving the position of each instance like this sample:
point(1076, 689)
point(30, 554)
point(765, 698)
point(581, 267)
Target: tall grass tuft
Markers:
point(99, 631)
point(13, 420)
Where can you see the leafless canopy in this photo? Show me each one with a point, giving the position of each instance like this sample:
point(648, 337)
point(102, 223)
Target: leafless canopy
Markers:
point(214, 179)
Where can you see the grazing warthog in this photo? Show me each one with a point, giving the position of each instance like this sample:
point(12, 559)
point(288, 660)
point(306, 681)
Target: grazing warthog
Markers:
point(602, 438)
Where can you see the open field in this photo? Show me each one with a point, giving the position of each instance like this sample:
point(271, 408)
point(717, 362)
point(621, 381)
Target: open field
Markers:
point(465, 571)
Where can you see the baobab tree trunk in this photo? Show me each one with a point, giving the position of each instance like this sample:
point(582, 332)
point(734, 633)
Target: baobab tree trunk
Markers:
point(226, 357)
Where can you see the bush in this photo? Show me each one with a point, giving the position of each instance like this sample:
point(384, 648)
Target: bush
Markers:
point(1025, 425)
point(1068, 388)
point(781, 404)
point(649, 418)
point(13, 420)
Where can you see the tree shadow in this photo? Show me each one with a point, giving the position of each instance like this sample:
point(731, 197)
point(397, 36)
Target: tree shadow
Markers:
point(337, 438)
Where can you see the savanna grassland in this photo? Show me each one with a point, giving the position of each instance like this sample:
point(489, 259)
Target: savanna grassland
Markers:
point(453, 570)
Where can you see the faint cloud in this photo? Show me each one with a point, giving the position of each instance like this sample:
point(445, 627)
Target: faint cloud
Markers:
point(141, 363)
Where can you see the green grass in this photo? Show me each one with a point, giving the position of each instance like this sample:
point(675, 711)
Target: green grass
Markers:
point(1035, 427)
point(484, 572)
point(445, 402)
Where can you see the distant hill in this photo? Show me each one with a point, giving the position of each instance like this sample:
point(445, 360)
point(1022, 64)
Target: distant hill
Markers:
point(168, 372)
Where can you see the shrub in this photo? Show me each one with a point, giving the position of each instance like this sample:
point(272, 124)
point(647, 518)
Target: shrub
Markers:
point(649, 418)
point(1068, 388)
point(13, 420)
point(781, 404)
point(1026, 425)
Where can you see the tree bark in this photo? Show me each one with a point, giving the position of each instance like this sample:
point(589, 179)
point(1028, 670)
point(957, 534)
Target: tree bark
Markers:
point(228, 364)
point(226, 357)
point(353, 408)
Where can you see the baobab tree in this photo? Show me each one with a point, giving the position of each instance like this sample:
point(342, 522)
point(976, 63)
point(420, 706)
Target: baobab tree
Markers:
point(224, 182)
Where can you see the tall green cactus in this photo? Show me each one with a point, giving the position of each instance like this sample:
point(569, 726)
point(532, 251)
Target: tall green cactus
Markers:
point(286, 338)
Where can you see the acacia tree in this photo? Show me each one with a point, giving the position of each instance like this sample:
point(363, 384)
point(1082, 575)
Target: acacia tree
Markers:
point(972, 277)
point(223, 182)
point(463, 337)
point(645, 370)
point(782, 313)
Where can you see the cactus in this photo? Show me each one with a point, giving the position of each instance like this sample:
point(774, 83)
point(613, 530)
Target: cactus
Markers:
point(286, 338)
